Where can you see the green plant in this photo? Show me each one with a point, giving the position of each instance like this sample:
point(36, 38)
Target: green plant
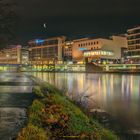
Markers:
point(60, 118)
point(32, 132)
point(35, 112)
point(38, 91)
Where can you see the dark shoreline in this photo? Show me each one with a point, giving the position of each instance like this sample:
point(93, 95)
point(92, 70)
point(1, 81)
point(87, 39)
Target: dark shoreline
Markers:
point(108, 121)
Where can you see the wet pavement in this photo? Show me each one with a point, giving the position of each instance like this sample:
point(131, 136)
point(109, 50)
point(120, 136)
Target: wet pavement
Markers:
point(15, 96)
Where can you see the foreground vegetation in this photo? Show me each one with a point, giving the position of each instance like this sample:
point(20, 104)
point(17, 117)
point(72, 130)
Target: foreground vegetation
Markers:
point(53, 117)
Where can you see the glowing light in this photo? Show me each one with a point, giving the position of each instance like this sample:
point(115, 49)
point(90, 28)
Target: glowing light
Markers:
point(45, 26)
point(82, 49)
point(38, 41)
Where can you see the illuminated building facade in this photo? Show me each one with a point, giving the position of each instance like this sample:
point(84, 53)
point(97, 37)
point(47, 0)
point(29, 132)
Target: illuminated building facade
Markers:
point(44, 52)
point(133, 51)
point(67, 51)
point(14, 54)
point(11, 55)
point(25, 55)
point(99, 49)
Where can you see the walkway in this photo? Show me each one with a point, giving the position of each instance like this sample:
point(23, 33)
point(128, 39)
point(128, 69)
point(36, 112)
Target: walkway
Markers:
point(15, 96)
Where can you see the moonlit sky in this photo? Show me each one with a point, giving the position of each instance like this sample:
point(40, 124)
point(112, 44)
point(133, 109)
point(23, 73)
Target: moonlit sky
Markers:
point(75, 18)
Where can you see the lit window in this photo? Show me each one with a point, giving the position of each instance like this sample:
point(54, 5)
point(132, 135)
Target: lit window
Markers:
point(92, 53)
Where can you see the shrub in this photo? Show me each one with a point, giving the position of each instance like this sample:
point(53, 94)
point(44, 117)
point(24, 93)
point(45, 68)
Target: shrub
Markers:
point(38, 91)
point(62, 118)
point(35, 112)
point(32, 132)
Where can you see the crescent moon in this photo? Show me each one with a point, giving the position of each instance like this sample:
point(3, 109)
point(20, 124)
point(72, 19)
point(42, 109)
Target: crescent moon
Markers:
point(45, 25)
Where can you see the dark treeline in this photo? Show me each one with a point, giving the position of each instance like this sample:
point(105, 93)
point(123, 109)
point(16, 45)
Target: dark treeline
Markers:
point(8, 20)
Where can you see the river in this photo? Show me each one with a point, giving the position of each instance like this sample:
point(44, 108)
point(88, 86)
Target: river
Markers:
point(117, 94)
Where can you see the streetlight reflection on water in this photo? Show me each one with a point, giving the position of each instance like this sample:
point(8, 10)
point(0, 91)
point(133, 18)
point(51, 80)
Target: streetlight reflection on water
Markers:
point(117, 94)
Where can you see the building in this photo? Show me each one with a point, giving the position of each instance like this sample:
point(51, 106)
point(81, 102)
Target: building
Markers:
point(11, 55)
point(25, 55)
point(99, 50)
point(14, 54)
point(67, 51)
point(133, 51)
point(45, 52)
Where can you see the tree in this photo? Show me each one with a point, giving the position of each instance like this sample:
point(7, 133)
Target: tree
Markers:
point(8, 21)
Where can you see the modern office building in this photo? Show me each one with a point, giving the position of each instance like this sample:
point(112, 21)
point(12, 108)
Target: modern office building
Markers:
point(133, 51)
point(45, 52)
point(99, 49)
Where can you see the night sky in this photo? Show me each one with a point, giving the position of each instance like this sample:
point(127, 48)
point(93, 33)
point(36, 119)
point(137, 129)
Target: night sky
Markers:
point(75, 18)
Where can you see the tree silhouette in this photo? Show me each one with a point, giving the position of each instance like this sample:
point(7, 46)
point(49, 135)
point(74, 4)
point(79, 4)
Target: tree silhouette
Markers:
point(8, 21)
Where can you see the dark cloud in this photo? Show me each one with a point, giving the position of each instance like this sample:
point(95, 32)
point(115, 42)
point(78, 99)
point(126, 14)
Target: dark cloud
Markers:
point(76, 17)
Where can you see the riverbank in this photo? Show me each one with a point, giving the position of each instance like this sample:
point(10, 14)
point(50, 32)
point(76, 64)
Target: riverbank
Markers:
point(53, 116)
point(94, 72)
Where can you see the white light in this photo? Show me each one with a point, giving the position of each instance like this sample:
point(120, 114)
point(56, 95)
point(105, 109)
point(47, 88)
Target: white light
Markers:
point(45, 25)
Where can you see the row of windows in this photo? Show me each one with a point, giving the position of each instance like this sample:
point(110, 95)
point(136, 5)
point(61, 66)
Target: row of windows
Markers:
point(92, 53)
point(69, 49)
point(134, 31)
point(88, 44)
point(134, 47)
point(134, 42)
point(43, 43)
point(68, 54)
point(133, 37)
point(48, 49)
point(133, 53)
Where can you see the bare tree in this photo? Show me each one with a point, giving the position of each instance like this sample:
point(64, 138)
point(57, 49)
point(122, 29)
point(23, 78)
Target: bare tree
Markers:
point(8, 20)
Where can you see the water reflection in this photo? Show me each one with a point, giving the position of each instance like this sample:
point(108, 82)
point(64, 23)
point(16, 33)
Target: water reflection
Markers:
point(117, 94)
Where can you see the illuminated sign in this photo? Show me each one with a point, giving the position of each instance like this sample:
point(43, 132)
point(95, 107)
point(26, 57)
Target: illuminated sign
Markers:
point(82, 49)
point(39, 41)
